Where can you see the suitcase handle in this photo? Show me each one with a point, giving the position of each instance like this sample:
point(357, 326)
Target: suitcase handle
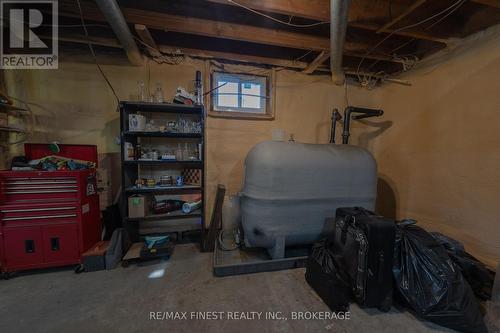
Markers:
point(381, 263)
point(349, 220)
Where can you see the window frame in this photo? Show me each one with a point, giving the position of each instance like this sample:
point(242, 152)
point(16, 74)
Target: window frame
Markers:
point(242, 113)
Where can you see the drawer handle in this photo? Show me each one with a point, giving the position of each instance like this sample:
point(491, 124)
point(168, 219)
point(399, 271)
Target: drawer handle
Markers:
point(36, 209)
point(40, 182)
point(38, 217)
point(39, 187)
point(54, 243)
point(39, 192)
point(29, 246)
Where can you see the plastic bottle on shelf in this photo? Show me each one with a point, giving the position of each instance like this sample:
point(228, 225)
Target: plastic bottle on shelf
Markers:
point(179, 153)
point(158, 93)
point(142, 91)
point(185, 152)
point(138, 151)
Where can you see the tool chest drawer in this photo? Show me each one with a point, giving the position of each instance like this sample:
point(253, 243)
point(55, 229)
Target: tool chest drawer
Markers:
point(30, 245)
point(22, 246)
point(37, 187)
point(60, 242)
point(48, 218)
point(38, 213)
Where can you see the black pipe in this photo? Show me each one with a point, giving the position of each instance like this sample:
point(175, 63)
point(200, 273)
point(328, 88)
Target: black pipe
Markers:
point(335, 117)
point(365, 113)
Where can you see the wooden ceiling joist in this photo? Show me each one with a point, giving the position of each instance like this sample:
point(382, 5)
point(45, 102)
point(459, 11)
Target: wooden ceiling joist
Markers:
point(208, 28)
point(401, 16)
point(206, 54)
point(409, 34)
point(491, 3)
point(318, 61)
point(147, 40)
point(312, 9)
point(113, 43)
point(99, 41)
point(361, 14)
point(219, 29)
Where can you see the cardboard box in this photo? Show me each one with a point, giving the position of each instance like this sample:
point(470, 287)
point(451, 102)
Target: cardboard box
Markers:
point(137, 206)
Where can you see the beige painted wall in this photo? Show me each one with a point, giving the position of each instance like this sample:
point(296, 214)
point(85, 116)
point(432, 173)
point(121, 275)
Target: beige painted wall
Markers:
point(437, 146)
point(74, 105)
point(441, 157)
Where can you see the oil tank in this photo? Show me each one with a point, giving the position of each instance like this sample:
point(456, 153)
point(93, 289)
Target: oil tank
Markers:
point(291, 188)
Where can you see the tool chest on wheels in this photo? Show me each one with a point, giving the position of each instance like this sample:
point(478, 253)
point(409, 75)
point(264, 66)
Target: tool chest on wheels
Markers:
point(48, 218)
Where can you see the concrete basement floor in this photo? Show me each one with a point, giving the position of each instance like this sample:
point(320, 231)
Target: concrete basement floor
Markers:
point(121, 300)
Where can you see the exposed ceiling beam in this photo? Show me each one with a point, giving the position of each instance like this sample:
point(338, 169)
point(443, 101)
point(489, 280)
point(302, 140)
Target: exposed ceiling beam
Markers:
point(401, 16)
point(410, 34)
point(318, 61)
point(362, 14)
point(208, 28)
point(111, 11)
point(99, 41)
point(206, 54)
point(224, 30)
point(312, 9)
point(110, 42)
point(491, 3)
point(147, 40)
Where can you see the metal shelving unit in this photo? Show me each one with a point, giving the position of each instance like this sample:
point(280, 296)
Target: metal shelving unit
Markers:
point(176, 221)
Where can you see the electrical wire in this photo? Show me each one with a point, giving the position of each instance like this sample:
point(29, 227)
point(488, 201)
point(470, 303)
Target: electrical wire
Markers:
point(302, 56)
point(223, 247)
point(277, 20)
point(208, 92)
point(160, 58)
point(91, 48)
point(451, 8)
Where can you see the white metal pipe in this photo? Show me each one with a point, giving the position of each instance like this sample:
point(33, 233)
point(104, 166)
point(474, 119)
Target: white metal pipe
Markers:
point(339, 15)
point(114, 16)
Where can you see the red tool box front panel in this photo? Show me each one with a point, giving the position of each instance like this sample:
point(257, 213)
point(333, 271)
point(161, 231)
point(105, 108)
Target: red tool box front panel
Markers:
point(60, 243)
point(48, 218)
point(23, 246)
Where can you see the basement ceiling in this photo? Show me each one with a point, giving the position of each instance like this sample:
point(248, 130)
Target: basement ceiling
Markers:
point(249, 31)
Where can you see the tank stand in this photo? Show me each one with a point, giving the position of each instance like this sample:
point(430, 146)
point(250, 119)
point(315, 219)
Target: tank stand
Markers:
point(278, 250)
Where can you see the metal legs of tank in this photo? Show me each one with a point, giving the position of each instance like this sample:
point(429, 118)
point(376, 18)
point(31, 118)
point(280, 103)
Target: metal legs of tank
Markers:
point(278, 250)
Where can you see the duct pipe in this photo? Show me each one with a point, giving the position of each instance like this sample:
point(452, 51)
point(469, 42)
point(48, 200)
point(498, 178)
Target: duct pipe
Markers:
point(339, 15)
point(114, 16)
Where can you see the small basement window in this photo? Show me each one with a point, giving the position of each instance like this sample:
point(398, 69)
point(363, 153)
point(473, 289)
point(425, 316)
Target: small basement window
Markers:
point(240, 95)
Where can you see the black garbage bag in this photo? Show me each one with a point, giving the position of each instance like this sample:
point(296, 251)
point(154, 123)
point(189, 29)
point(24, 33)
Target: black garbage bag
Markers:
point(325, 277)
point(479, 277)
point(431, 284)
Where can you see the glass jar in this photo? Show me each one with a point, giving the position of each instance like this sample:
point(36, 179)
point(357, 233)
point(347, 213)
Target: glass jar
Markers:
point(158, 93)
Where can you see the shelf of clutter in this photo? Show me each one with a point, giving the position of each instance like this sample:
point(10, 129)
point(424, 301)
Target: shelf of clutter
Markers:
point(162, 167)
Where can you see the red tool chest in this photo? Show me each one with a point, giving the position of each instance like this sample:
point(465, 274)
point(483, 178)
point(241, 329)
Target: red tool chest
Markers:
point(48, 218)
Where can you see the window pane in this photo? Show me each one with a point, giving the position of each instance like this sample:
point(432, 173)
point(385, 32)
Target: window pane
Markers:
point(251, 95)
point(227, 94)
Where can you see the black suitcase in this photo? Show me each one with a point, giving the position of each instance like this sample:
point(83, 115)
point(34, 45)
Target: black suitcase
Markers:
point(327, 280)
point(365, 243)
